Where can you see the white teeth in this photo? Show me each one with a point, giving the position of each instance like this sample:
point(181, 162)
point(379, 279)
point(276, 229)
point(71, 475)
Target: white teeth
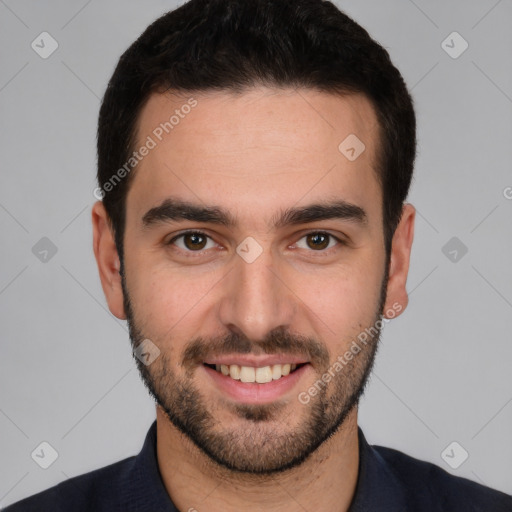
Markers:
point(263, 375)
point(247, 374)
point(234, 371)
point(260, 375)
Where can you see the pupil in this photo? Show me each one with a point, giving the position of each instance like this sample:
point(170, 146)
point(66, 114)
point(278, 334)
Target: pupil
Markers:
point(319, 241)
point(194, 241)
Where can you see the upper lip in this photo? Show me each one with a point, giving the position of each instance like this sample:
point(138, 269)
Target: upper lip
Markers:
point(256, 361)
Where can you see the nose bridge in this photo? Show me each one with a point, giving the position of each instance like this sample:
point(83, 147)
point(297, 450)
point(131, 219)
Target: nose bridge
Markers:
point(255, 299)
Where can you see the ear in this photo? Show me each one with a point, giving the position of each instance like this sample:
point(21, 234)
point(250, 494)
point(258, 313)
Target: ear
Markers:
point(107, 260)
point(397, 298)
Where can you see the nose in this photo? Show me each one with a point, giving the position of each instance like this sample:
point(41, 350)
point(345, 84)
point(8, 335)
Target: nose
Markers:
point(256, 298)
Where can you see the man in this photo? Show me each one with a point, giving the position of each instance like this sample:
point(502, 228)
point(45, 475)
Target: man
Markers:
point(253, 162)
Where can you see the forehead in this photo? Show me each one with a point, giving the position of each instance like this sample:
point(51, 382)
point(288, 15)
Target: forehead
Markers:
point(256, 151)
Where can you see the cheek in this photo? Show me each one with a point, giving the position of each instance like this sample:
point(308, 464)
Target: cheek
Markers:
point(168, 299)
point(344, 303)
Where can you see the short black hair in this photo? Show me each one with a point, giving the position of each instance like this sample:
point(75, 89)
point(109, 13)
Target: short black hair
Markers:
point(232, 45)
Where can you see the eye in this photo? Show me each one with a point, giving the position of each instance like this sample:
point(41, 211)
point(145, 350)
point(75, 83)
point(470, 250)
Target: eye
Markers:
point(318, 241)
point(192, 241)
point(197, 241)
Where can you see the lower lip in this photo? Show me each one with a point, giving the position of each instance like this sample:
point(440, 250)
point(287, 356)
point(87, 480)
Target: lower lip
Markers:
point(252, 392)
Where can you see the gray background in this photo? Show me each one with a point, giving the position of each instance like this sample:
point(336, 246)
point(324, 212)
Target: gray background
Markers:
point(443, 371)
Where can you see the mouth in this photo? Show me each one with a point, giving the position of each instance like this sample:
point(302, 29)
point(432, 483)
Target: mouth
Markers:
point(252, 374)
point(257, 381)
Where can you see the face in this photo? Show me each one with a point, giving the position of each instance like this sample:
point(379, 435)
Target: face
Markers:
point(253, 261)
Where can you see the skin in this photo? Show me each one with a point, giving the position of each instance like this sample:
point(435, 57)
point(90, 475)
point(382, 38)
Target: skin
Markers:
point(256, 154)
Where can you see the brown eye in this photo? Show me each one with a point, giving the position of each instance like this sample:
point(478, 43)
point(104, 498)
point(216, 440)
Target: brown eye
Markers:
point(192, 241)
point(317, 241)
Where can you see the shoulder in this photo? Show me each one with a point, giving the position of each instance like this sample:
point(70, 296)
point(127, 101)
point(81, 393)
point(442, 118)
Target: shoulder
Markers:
point(430, 487)
point(96, 490)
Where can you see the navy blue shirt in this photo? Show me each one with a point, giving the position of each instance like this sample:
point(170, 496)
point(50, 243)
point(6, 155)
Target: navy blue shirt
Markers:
point(388, 481)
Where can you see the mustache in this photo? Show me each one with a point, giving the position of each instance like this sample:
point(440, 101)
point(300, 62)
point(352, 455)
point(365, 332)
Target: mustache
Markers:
point(278, 341)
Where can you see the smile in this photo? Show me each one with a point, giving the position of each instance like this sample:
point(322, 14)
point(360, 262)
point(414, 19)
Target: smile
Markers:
point(260, 375)
point(256, 382)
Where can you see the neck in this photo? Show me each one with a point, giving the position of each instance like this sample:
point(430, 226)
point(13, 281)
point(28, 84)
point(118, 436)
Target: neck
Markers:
point(325, 481)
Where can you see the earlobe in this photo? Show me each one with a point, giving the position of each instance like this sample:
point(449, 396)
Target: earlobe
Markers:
point(107, 259)
point(397, 298)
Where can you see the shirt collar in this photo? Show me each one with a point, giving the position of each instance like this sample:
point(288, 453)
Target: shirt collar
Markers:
point(377, 487)
point(144, 489)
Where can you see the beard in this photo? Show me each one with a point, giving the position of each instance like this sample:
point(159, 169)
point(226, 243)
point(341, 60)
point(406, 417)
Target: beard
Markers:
point(264, 439)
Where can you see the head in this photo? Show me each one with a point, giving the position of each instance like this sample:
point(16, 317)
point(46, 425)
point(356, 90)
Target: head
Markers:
point(281, 138)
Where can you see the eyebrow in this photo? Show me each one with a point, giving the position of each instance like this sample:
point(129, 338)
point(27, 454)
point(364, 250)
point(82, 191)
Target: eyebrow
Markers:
point(172, 209)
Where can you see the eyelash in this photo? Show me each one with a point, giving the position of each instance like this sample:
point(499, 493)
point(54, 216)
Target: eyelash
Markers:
point(200, 233)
